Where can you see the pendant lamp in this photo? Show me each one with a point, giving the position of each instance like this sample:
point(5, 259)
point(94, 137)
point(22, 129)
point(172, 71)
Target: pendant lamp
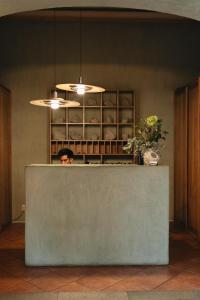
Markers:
point(55, 102)
point(80, 88)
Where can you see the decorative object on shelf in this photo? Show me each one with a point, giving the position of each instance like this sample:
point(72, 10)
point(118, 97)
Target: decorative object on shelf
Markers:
point(80, 88)
point(108, 102)
point(94, 137)
point(125, 136)
point(59, 120)
point(94, 120)
point(92, 102)
point(58, 135)
point(125, 120)
point(75, 136)
point(55, 102)
point(75, 119)
point(126, 101)
point(109, 135)
point(109, 119)
point(149, 135)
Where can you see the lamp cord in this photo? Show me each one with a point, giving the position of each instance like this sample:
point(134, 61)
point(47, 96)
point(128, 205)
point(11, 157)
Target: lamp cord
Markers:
point(80, 42)
point(55, 43)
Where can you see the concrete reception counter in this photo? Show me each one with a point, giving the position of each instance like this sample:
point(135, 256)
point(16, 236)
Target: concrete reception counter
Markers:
point(96, 215)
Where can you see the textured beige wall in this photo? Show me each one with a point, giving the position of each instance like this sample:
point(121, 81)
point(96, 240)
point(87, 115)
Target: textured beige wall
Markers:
point(187, 8)
point(153, 59)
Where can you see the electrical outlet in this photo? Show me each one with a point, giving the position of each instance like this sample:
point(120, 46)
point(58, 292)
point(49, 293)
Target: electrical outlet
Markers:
point(23, 207)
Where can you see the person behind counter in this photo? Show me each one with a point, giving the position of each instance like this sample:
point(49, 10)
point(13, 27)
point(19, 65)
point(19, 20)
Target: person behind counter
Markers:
point(66, 156)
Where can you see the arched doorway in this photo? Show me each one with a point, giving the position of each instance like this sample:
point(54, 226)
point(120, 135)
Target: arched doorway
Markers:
point(190, 9)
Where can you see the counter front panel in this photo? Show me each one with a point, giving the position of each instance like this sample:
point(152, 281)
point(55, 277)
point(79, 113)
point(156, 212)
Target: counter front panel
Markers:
point(96, 215)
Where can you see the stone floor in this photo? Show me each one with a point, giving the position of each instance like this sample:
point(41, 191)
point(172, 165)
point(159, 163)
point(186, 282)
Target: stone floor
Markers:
point(183, 272)
point(161, 295)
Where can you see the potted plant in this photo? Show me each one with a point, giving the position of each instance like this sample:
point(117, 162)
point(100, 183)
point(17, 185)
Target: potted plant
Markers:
point(149, 135)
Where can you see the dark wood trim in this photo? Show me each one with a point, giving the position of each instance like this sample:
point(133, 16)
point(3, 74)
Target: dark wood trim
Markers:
point(187, 175)
point(5, 157)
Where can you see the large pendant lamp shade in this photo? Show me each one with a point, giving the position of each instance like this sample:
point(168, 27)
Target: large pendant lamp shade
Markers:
point(55, 102)
point(80, 88)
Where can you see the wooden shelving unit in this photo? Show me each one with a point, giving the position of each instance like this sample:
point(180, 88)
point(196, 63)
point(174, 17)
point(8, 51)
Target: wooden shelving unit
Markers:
point(96, 130)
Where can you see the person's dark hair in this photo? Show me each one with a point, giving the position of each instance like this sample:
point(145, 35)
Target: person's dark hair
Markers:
point(67, 152)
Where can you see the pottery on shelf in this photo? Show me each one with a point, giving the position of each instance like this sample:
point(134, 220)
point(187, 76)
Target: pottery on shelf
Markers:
point(58, 133)
point(92, 102)
point(125, 120)
point(125, 136)
point(109, 135)
point(109, 119)
point(109, 102)
point(75, 136)
point(75, 119)
point(58, 136)
point(126, 101)
point(94, 120)
point(94, 137)
point(59, 120)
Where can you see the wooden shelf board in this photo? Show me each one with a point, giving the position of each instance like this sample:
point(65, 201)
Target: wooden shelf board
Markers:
point(126, 124)
point(95, 124)
point(83, 141)
point(126, 106)
point(92, 106)
point(58, 124)
point(130, 123)
point(109, 106)
point(107, 154)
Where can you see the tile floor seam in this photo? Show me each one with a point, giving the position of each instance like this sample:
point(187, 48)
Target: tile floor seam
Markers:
point(113, 284)
point(101, 289)
point(133, 279)
point(81, 276)
point(57, 273)
point(59, 287)
point(10, 289)
point(68, 283)
point(165, 281)
point(36, 286)
point(12, 285)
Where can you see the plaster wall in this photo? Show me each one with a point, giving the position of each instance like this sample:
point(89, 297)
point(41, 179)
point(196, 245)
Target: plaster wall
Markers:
point(151, 58)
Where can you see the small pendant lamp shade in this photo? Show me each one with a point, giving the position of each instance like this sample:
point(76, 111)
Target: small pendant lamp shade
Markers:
point(55, 102)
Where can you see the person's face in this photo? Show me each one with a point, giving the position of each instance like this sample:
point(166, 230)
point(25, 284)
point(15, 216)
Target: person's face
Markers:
point(65, 160)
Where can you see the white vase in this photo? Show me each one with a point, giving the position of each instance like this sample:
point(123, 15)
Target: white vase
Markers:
point(151, 157)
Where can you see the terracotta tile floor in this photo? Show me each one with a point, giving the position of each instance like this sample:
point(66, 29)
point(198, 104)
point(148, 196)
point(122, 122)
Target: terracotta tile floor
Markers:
point(183, 272)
